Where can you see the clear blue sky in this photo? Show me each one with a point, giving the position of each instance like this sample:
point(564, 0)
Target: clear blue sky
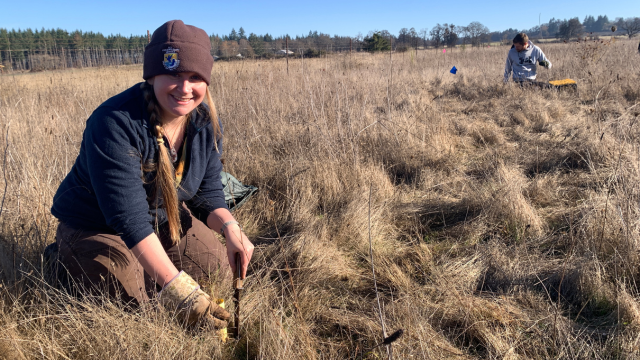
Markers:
point(346, 18)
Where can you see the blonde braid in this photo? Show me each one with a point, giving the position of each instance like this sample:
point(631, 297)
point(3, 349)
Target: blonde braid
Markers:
point(165, 183)
point(160, 135)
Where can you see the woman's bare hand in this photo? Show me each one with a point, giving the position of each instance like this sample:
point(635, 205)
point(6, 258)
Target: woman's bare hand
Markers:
point(237, 242)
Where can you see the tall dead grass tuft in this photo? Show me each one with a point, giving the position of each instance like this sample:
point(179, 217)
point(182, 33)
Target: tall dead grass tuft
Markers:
point(505, 202)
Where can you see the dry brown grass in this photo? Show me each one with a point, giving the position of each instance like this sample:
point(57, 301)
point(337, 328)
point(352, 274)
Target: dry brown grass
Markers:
point(505, 221)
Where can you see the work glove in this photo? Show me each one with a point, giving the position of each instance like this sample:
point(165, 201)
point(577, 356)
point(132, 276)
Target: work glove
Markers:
point(544, 63)
point(193, 306)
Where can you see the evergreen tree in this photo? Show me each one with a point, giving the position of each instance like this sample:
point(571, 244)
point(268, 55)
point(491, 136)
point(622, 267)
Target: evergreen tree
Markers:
point(241, 34)
point(377, 42)
point(257, 44)
point(589, 23)
point(554, 26)
point(570, 29)
point(601, 23)
point(233, 35)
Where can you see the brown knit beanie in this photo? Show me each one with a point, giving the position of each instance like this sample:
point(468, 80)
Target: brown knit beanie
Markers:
point(176, 47)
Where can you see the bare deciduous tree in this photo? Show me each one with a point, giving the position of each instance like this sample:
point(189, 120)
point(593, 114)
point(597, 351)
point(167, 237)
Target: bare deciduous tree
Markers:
point(245, 48)
point(423, 35)
point(450, 35)
point(477, 33)
point(413, 34)
point(630, 25)
point(463, 32)
point(403, 36)
point(229, 48)
point(437, 35)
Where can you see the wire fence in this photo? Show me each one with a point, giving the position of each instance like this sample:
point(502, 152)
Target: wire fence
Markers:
point(38, 60)
point(62, 58)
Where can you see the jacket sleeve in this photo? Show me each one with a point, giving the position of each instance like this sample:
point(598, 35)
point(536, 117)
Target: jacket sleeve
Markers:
point(210, 194)
point(542, 57)
point(507, 69)
point(115, 174)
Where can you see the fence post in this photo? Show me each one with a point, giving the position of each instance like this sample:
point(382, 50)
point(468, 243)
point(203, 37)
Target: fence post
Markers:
point(390, 70)
point(10, 59)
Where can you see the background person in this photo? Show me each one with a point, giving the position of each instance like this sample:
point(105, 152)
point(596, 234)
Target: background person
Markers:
point(134, 206)
point(522, 59)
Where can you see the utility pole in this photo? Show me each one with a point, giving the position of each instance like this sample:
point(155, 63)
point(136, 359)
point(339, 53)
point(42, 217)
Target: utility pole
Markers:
point(286, 52)
point(540, 25)
point(148, 37)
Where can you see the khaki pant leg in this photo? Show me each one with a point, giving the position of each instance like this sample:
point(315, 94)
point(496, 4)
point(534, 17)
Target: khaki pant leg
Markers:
point(101, 263)
point(200, 254)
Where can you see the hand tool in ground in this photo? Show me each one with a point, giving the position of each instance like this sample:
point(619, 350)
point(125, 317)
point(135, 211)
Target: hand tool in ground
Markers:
point(238, 286)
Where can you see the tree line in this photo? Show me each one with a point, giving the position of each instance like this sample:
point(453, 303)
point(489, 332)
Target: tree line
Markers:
point(476, 34)
point(251, 45)
point(44, 39)
point(473, 34)
point(17, 45)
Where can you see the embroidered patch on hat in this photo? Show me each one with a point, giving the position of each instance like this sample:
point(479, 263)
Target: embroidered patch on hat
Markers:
point(170, 60)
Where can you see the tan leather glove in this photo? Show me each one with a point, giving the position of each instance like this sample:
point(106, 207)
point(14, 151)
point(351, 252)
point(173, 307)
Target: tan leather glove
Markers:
point(192, 305)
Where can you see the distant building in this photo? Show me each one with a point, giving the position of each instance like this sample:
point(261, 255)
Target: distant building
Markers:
point(285, 52)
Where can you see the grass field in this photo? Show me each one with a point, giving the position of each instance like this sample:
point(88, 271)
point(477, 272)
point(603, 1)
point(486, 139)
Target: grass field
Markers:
point(504, 222)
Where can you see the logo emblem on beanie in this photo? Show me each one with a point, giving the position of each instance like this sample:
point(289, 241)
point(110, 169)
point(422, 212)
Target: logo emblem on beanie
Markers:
point(170, 60)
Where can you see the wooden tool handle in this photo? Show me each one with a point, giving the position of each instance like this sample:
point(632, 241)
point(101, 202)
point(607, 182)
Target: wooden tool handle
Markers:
point(237, 277)
point(238, 284)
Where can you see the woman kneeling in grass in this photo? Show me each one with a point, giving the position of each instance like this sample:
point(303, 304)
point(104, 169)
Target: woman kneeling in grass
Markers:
point(134, 206)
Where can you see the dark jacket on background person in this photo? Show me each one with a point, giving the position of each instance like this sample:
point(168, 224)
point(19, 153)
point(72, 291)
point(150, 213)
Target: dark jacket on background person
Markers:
point(107, 190)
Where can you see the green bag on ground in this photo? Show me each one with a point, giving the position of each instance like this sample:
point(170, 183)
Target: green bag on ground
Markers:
point(235, 192)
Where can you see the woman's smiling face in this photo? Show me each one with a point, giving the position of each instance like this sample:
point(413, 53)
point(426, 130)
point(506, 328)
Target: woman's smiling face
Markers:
point(178, 94)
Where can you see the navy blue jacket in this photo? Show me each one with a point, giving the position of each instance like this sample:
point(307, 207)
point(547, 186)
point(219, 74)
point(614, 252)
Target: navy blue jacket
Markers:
point(107, 190)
